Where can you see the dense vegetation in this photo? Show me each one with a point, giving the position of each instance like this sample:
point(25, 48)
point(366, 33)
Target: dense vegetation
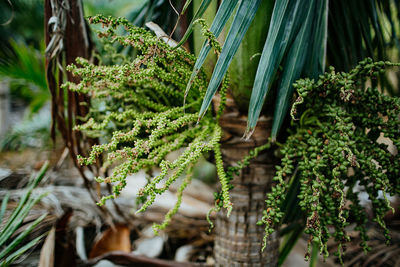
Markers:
point(333, 154)
point(330, 156)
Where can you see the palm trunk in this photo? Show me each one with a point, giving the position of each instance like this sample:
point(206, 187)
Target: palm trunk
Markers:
point(238, 238)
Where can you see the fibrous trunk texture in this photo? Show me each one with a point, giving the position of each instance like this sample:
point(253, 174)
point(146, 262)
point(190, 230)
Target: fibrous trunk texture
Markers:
point(238, 238)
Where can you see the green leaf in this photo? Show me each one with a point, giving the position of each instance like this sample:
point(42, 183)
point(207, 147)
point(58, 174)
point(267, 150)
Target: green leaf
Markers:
point(4, 206)
point(241, 22)
point(290, 206)
point(23, 208)
point(359, 29)
point(21, 237)
point(243, 67)
point(21, 251)
point(287, 18)
point(26, 65)
point(41, 174)
point(306, 55)
point(187, 3)
point(316, 58)
point(289, 241)
point(221, 18)
point(15, 215)
point(12, 225)
point(200, 11)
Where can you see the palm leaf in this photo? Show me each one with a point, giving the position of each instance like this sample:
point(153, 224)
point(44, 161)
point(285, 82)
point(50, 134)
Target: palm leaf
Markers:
point(221, 18)
point(359, 29)
point(7, 253)
point(16, 241)
point(289, 241)
point(21, 251)
point(4, 206)
point(287, 18)
point(24, 66)
point(241, 22)
point(306, 55)
point(12, 225)
point(244, 65)
point(200, 11)
point(316, 59)
point(23, 208)
point(356, 31)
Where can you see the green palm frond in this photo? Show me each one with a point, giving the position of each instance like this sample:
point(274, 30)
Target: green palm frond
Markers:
point(287, 20)
point(24, 64)
point(241, 22)
point(221, 18)
point(300, 42)
point(200, 11)
point(12, 249)
point(356, 31)
point(24, 67)
point(304, 56)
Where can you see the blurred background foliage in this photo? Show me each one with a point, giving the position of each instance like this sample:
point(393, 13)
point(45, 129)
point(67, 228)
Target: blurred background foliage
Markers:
point(22, 69)
point(21, 51)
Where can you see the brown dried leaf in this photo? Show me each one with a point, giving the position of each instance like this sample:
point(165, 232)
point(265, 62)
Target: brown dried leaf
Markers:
point(115, 238)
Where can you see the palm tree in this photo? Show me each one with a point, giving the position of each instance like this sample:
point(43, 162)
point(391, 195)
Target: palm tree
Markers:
point(238, 237)
point(274, 43)
point(265, 36)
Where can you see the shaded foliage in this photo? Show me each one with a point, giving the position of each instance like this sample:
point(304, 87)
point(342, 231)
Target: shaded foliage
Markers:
point(333, 154)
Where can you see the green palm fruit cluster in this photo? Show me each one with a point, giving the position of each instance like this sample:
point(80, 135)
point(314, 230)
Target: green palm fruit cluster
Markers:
point(138, 111)
point(141, 113)
point(333, 154)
